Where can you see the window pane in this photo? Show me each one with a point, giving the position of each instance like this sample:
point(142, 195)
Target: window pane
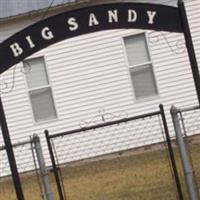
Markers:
point(143, 81)
point(42, 104)
point(36, 74)
point(136, 49)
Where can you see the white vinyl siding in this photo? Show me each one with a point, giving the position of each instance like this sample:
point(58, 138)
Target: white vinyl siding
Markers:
point(88, 73)
point(140, 65)
point(39, 89)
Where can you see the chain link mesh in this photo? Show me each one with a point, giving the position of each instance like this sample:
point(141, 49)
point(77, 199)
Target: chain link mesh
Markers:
point(27, 167)
point(7, 190)
point(123, 161)
point(190, 121)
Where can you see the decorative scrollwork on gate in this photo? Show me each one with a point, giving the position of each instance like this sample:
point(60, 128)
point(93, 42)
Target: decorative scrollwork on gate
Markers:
point(102, 117)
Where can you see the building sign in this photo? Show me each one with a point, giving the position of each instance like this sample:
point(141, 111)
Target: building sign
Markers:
point(86, 20)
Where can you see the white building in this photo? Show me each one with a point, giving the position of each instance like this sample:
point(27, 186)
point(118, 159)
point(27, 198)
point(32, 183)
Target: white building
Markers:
point(71, 81)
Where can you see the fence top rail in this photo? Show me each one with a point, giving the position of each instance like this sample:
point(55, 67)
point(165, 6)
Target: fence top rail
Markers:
point(188, 109)
point(17, 144)
point(105, 124)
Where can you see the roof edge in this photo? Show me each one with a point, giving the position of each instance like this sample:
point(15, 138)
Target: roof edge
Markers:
point(69, 6)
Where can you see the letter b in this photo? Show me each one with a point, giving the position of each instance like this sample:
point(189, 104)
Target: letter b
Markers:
point(16, 49)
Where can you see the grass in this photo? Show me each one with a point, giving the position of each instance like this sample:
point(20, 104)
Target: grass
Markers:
point(129, 176)
point(138, 177)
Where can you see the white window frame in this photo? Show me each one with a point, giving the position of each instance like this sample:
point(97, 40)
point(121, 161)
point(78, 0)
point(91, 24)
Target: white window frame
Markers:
point(49, 85)
point(140, 65)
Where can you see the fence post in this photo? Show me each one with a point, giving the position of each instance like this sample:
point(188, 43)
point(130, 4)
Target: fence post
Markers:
point(10, 154)
point(171, 153)
point(55, 170)
point(42, 167)
point(188, 173)
point(190, 47)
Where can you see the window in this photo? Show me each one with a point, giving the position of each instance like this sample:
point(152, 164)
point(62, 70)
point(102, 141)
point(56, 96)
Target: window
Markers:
point(39, 90)
point(140, 65)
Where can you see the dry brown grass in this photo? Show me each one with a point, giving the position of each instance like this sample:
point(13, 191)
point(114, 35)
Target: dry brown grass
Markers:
point(143, 176)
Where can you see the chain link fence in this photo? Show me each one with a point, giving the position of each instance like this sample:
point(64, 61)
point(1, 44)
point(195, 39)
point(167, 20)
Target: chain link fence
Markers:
point(7, 189)
point(189, 121)
point(30, 176)
point(118, 160)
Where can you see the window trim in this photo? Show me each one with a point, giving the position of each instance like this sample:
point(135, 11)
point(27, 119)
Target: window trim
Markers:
point(129, 67)
point(49, 85)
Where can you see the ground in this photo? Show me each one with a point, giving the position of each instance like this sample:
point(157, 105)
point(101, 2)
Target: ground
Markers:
point(130, 175)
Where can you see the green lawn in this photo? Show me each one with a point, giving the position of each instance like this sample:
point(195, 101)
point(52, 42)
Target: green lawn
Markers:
point(128, 176)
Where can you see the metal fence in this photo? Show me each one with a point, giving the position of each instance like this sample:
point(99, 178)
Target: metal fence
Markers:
point(123, 159)
point(31, 166)
point(7, 188)
point(187, 128)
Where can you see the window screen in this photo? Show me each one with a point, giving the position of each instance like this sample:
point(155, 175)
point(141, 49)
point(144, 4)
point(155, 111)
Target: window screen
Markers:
point(143, 81)
point(39, 90)
point(141, 69)
point(36, 75)
point(137, 51)
point(42, 104)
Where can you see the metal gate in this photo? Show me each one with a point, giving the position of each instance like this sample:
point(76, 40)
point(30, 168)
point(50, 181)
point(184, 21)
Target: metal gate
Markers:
point(123, 159)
